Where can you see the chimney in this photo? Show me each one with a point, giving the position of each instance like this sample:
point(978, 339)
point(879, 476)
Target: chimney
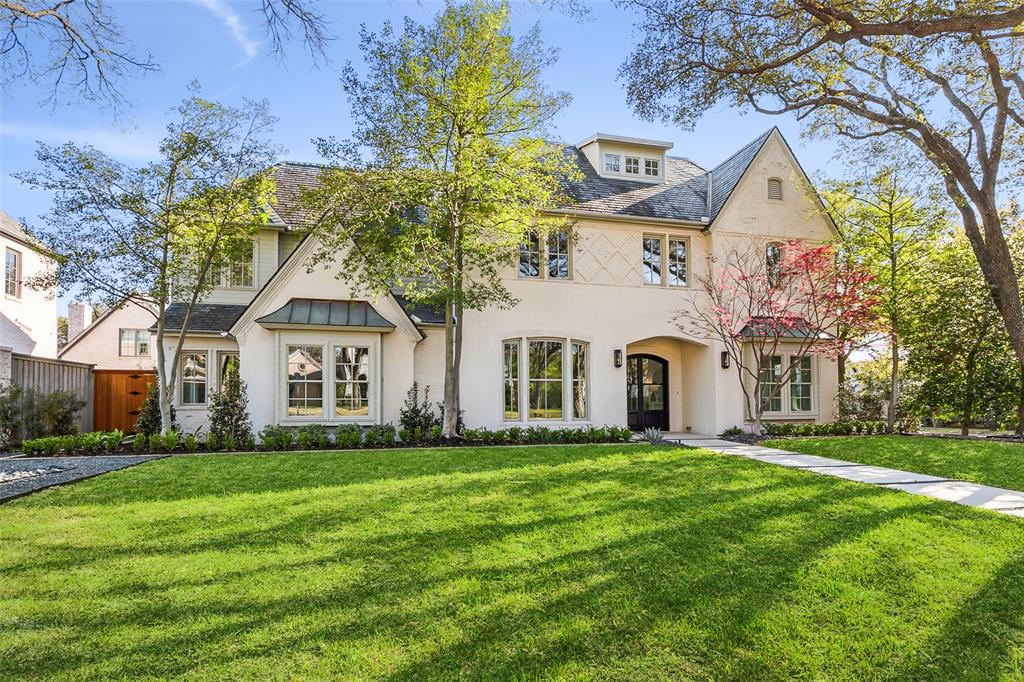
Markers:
point(79, 317)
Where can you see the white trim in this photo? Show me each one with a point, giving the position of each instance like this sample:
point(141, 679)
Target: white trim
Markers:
point(785, 395)
point(524, 339)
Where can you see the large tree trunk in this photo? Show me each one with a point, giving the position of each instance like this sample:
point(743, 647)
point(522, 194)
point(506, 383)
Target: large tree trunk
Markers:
point(451, 413)
point(894, 385)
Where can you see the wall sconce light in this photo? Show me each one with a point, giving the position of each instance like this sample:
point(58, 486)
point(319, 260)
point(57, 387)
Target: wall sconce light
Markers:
point(618, 357)
point(725, 359)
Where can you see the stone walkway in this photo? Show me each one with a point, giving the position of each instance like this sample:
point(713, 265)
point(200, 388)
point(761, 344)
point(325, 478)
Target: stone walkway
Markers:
point(23, 475)
point(1000, 500)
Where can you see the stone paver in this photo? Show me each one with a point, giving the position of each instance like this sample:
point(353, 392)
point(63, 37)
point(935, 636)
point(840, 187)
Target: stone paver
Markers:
point(28, 474)
point(1010, 502)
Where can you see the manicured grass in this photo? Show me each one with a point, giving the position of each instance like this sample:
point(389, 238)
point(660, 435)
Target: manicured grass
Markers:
point(606, 562)
point(997, 464)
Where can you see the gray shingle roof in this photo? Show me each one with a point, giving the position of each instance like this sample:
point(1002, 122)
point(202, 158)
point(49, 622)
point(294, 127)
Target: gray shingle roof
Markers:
point(206, 317)
point(290, 178)
point(726, 175)
point(426, 313)
point(326, 313)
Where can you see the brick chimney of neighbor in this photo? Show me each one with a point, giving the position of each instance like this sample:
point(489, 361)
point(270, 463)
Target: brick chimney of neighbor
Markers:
point(79, 317)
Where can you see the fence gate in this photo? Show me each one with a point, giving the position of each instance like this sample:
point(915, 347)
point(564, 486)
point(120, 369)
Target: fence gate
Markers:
point(118, 397)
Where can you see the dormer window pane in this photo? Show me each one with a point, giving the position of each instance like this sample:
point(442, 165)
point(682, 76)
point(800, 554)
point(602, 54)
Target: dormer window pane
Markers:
point(651, 167)
point(611, 163)
point(632, 165)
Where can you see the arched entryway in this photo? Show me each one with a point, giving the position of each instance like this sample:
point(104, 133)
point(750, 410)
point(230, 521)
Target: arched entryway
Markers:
point(646, 391)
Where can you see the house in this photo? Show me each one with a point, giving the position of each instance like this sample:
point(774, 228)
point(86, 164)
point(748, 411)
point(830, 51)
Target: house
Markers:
point(119, 339)
point(592, 340)
point(28, 315)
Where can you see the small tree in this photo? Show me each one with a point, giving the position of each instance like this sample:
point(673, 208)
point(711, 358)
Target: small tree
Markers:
point(763, 302)
point(157, 234)
point(149, 421)
point(229, 410)
point(451, 116)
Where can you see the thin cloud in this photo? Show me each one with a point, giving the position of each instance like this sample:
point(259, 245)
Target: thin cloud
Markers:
point(127, 145)
point(233, 21)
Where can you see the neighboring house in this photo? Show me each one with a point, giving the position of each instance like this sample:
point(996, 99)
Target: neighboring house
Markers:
point(592, 340)
point(28, 317)
point(117, 339)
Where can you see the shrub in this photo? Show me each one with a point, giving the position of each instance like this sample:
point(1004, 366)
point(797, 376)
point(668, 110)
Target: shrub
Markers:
point(57, 412)
point(416, 415)
point(348, 436)
point(10, 416)
point(139, 443)
point(229, 409)
point(156, 442)
point(191, 443)
point(312, 436)
point(379, 436)
point(653, 436)
point(149, 414)
point(274, 437)
point(171, 441)
point(736, 432)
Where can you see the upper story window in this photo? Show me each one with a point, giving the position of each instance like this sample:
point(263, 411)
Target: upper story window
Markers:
point(133, 343)
point(633, 165)
point(665, 260)
point(239, 272)
point(773, 263)
point(651, 167)
point(612, 163)
point(553, 252)
point(12, 273)
point(775, 189)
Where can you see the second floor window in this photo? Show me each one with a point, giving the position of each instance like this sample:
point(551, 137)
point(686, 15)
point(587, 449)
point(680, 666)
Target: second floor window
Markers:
point(664, 260)
point(652, 260)
point(12, 273)
point(549, 258)
point(238, 272)
point(134, 343)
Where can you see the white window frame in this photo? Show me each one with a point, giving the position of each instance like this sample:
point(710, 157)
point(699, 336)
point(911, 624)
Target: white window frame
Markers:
point(222, 356)
point(206, 379)
point(19, 264)
point(607, 157)
point(136, 332)
point(516, 379)
point(543, 258)
point(585, 380)
point(785, 395)
point(567, 381)
point(666, 240)
point(327, 341)
point(657, 167)
point(223, 275)
point(636, 160)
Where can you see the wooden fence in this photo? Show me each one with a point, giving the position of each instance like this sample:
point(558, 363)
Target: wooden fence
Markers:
point(44, 375)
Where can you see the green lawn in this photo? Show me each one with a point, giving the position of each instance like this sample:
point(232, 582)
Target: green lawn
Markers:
point(998, 464)
point(580, 562)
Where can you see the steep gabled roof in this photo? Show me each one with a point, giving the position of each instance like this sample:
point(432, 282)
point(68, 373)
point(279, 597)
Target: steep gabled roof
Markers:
point(726, 175)
point(291, 178)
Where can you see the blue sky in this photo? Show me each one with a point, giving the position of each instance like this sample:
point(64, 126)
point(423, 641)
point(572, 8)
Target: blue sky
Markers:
point(221, 43)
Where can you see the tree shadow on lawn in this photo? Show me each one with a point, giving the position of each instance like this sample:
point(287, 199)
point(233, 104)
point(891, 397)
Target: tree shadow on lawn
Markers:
point(664, 559)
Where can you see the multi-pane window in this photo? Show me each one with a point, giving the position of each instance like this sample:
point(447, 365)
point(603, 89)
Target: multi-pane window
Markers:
point(676, 262)
point(545, 376)
point(510, 378)
point(134, 343)
point(553, 251)
point(12, 273)
point(237, 272)
point(305, 381)
point(558, 255)
point(633, 165)
point(771, 379)
point(800, 385)
point(351, 381)
point(529, 256)
point(651, 167)
point(775, 189)
point(652, 260)
point(612, 163)
point(578, 357)
point(773, 263)
point(193, 379)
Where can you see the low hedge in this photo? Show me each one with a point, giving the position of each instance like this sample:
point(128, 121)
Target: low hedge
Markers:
point(95, 442)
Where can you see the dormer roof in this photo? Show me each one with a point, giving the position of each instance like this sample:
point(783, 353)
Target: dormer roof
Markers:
point(624, 140)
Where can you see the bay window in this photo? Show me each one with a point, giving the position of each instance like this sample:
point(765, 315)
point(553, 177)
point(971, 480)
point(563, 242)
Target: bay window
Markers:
point(771, 377)
point(579, 380)
point(351, 381)
point(305, 381)
point(510, 379)
point(193, 378)
point(800, 385)
point(545, 376)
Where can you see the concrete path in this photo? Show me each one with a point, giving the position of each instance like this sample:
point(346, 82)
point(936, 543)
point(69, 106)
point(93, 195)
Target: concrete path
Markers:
point(24, 475)
point(1000, 500)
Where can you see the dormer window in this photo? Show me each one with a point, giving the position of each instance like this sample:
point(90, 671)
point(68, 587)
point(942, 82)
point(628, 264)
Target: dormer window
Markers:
point(775, 189)
point(633, 165)
point(651, 167)
point(612, 163)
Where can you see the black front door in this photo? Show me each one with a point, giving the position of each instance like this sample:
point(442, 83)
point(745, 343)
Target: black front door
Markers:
point(646, 392)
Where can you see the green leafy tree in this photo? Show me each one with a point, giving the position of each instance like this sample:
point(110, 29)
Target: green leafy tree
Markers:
point(229, 410)
point(942, 79)
point(884, 229)
point(447, 171)
point(959, 351)
point(155, 234)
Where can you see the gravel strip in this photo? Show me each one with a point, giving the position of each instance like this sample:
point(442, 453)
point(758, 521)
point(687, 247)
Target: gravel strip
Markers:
point(28, 474)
